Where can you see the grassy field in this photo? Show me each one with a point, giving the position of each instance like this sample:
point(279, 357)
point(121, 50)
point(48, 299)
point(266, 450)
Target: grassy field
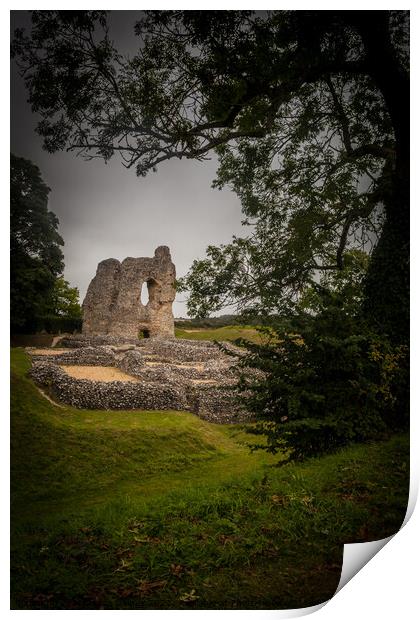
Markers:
point(229, 332)
point(161, 510)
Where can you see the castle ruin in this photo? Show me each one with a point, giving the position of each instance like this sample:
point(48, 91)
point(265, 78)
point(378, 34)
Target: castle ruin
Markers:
point(113, 306)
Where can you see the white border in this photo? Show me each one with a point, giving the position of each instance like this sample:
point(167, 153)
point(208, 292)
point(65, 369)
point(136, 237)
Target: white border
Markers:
point(387, 586)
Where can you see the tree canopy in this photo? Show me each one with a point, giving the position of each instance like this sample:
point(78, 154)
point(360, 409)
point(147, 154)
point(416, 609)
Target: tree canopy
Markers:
point(64, 300)
point(35, 245)
point(306, 110)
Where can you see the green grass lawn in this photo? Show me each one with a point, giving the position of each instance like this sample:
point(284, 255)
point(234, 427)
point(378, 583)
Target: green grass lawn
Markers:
point(161, 510)
point(229, 332)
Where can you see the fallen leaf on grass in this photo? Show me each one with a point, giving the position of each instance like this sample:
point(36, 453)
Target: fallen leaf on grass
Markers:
point(177, 569)
point(147, 586)
point(146, 539)
point(280, 500)
point(189, 597)
point(124, 565)
point(306, 500)
point(135, 526)
point(227, 540)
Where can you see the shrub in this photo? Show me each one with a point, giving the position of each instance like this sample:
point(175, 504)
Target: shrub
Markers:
point(62, 324)
point(52, 325)
point(327, 381)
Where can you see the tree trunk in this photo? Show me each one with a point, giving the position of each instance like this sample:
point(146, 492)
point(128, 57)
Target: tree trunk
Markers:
point(387, 287)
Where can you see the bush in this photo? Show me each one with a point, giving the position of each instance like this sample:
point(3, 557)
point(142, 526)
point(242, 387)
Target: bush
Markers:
point(327, 381)
point(51, 324)
point(208, 322)
point(62, 324)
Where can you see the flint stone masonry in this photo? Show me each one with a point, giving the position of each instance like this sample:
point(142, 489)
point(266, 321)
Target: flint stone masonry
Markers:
point(85, 394)
point(113, 307)
point(79, 341)
point(89, 356)
point(189, 375)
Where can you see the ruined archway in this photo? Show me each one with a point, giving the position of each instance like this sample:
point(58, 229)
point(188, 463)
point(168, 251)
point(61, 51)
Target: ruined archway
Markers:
point(113, 304)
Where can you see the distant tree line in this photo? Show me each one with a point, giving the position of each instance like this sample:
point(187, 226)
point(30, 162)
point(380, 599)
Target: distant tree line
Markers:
point(217, 321)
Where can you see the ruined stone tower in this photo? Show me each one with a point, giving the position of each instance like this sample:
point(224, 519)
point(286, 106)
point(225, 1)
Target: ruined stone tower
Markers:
point(113, 306)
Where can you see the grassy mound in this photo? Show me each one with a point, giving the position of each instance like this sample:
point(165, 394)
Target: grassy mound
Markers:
point(161, 510)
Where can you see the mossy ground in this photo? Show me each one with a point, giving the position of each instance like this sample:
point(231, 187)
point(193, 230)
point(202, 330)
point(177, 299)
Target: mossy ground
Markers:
point(161, 510)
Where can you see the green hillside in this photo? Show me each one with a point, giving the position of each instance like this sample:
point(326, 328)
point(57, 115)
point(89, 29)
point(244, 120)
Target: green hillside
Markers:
point(156, 510)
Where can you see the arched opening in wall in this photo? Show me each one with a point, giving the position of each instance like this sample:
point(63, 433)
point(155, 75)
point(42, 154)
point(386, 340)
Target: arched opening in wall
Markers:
point(144, 294)
point(148, 291)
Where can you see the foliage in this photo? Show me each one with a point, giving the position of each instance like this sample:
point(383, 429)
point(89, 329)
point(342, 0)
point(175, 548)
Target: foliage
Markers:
point(53, 324)
point(35, 245)
point(162, 510)
point(325, 381)
point(64, 300)
point(308, 114)
point(47, 324)
point(346, 282)
point(215, 321)
point(41, 299)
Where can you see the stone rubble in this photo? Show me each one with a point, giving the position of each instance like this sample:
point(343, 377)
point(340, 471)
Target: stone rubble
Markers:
point(189, 375)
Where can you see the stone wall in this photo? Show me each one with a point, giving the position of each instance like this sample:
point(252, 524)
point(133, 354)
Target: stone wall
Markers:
point(85, 394)
point(212, 403)
point(88, 356)
point(113, 306)
point(184, 375)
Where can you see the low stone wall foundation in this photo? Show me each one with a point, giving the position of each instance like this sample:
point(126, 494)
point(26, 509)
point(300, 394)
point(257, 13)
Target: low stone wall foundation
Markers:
point(184, 375)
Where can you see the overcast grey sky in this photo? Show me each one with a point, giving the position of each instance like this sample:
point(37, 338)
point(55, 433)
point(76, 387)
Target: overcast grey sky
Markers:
point(105, 211)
